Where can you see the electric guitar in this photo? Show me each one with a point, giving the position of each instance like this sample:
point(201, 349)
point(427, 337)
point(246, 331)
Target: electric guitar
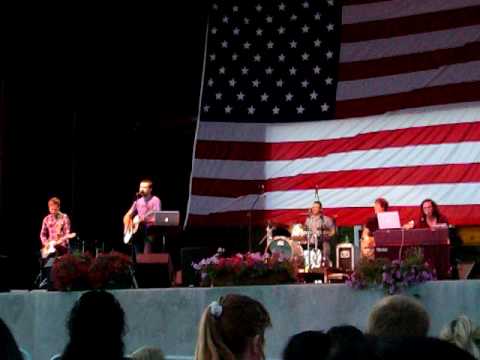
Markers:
point(49, 247)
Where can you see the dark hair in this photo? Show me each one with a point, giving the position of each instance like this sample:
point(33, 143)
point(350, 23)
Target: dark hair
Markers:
point(96, 327)
point(382, 202)
point(8, 346)
point(317, 202)
point(226, 335)
point(435, 211)
point(350, 343)
point(307, 345)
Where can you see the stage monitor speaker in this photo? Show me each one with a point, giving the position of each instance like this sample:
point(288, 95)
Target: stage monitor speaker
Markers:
point(189, 255)
point(4, 271)
point(346, 256)
point(154, 270)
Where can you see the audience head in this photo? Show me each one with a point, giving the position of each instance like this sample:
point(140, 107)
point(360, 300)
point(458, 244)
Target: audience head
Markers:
point(147, 353)
point(307, 345)
point(96, 327)
point(232, 328)
point(463, 333)
point(380, 205)
point(8, 346)
point(398, 315)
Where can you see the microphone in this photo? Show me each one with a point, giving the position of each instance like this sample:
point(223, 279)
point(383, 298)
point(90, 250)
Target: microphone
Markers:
point(140, 193)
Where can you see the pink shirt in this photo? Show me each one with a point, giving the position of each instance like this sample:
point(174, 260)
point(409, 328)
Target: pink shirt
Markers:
point(144, 205)
point(54, 227)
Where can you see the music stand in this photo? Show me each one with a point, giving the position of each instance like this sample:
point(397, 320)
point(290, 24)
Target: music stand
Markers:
point(166, 219)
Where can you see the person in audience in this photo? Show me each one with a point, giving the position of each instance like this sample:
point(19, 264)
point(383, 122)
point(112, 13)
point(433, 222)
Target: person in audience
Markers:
point(416, 348)
point(348, 342)
point(463, 333)
point(398, 315)
point(232, 328)
point(9, 349)
point(147, 353)
point(96, 327)
point(307, 345)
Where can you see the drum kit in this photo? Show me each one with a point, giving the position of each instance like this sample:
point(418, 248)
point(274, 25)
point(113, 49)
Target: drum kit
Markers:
point(302, 246)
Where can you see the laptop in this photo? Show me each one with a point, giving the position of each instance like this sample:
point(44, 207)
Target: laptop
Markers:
point(167, 218)
point(388, 220)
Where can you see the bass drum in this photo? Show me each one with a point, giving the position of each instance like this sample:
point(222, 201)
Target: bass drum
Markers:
point(281, 245)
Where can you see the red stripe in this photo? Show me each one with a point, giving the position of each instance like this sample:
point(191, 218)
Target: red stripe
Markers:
point(407, 25)
point(409, 63)
point(436, 95)
point(456, 215)
point(249, 151)
point(413, 175)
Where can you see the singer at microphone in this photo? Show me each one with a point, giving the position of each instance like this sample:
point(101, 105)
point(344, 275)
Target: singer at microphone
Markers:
point(323, 227)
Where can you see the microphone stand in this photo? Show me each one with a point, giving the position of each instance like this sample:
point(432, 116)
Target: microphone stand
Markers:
point(250, 220)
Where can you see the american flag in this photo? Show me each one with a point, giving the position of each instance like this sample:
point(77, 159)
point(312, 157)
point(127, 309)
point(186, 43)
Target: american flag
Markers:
point(358, 100)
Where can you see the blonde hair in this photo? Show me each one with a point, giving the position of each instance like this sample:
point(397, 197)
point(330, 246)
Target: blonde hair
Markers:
point(463, 333)
point(147, 353)
point(224, 332)
point(398, 315)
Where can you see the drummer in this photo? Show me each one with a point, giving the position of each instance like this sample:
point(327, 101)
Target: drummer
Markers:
point(322, 228)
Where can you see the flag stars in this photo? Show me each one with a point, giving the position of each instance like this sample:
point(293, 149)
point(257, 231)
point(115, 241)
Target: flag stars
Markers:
point(269, 71)
point(293, 17)
point(328, 81)
point(305, 29)
point(281, 30)
point(236, 31)
point(213, 57)
point(234, 56)
point(228, 109)
point(235, 8)
point(289, 97)
point(246, 45)
point(305, 56)
point(240, 96)
point(281, 58)
point(256, 83)
point(316, 70)
point(292, 71)
point(276, 110)
point(259, 32)
point(270, 45)
point(269, 19)
point(317, 16)
point(306, 5)
point(222, 70)
point(232, 82)
point(329, 54)
point(214, 6)
point(300, 109)
point(325, 107)
point(330, 27)
point(214, 31)
point(313, 95)
point(246, 21)
point(281, 7)
point(279, 83)
point(206, 108)
point(330, 2)
point(317, 42)
point(225, 20)
point(224, 44)
point(293, 44)
point(257, 58)
point(210, 82)
point(251, 110)
point(305, 83)
point(264, 97)
point(218, 96)
point(244, 70)
point(258, 8)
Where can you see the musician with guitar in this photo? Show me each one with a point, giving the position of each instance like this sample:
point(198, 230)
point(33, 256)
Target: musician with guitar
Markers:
point(138, 218)
point(367, 244)
point(55, 234)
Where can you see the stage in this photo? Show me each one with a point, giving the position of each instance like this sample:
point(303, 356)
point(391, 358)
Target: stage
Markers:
point(168, 317)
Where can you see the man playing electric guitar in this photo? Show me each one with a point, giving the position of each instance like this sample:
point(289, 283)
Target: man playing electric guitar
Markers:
point(140, 216)
point(55, 233)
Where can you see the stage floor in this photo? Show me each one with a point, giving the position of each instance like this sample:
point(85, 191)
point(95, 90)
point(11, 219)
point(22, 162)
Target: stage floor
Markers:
point(168, 317)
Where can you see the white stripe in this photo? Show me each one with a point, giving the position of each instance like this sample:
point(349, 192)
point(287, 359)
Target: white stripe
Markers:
point(353, 14)
point(400, 83)
point(403, 195)
point(408, 44)
point(336, 129)
point(419, 155)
